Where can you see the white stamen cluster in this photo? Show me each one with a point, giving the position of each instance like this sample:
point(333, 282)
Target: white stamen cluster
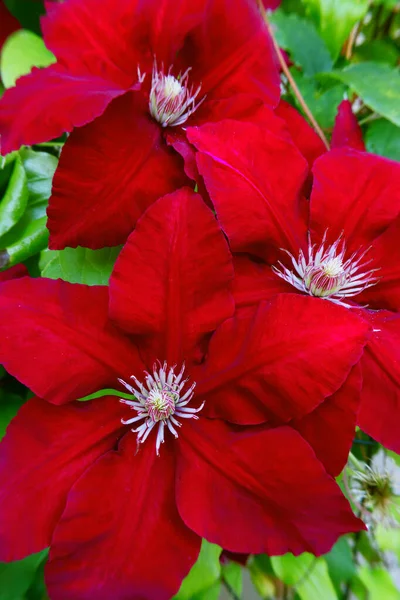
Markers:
point(326, 274)
point(171, 100)
point(159, 401)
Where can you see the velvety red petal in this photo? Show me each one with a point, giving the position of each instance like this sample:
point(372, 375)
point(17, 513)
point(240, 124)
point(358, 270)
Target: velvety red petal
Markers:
point(48, 102)
point(56, 339)
point(354, 193)
point(172, 279)
point(255, 282)
point(346, 131)
point(14, 273)
point(379, 414)
point(278, 361)
point(104, 38)
point(107, 178)
point(258, 491)
point(8, 23)
point(385, 258)
point(245, 170)
point(242, 61)
point(121, 536)
point(330, 428)
point(303, 135)
point(45, 450)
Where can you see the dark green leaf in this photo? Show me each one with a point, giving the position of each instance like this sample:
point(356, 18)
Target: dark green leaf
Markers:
point(300, 37)
point(9, 405)
point(27, 13)
point(22, 241)
point(204, 573)
point(17, 577)
point(378, 85)
point(40, 168)
point(335, 19)
point(22, 51)
point(79, 265)
point(15, 199)
point(383, 138)
point(340, 563)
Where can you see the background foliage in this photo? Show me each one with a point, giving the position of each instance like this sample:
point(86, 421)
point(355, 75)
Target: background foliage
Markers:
point(337, 49)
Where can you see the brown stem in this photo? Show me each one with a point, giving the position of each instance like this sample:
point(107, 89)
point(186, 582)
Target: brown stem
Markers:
point(351, 40)
point(293, 84)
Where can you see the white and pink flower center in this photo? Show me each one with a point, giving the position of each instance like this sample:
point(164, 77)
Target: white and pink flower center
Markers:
point(326, 273)
point(172, 100)
point(159, 402)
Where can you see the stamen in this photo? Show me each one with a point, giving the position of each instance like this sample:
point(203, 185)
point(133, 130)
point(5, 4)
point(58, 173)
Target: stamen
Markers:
point(160, 403)
point(171, 100)
point(326, 274)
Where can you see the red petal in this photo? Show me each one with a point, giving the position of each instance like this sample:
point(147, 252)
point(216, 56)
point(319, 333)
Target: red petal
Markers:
point(347, 131)
point(355, 193)
point(113, 538)
point(48, 102)
point(242, 61)
point(258, 491)
point(14, 273)
point(245, 170)
point(62, 330)
point(280, 360)
point(160, 287)
point(379, 414)
point(330, 428)
point(255, 282)
point(45, 450)
point(385, 257)
point(8, 23)
point(102, 38)
point(304, 137)
point(96, 211)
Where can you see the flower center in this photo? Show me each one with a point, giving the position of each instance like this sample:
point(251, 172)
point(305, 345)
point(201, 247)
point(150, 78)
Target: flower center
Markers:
point(326, 274)
point(171, 100)
point(160, 401)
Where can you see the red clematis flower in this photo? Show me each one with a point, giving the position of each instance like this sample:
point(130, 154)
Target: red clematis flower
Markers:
point(347, 131)
point(132, 73)
point(171, 326)
point(349, 257)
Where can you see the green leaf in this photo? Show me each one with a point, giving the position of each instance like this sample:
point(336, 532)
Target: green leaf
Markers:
point(106, 392)
point(211, 593)
point(79, 265)
point(335, 19)
point(340, 563)
point(29, 236)
point(379, 583)
point(15, 199)
point(383, 138)
point(232, 573)
point(22, 51)
point(300, 37)
point(377, 51)
point(378, 85)
point(322, 102)
point(27, 13)
point(17, 577)
point(308, 574)
point(204, 573)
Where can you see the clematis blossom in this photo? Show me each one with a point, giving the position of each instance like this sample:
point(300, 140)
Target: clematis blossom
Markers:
point(340, 246)
point(151, 475)
point(129, 77)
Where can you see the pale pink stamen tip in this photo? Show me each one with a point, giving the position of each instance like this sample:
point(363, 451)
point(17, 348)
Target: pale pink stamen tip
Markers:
point(326, 273)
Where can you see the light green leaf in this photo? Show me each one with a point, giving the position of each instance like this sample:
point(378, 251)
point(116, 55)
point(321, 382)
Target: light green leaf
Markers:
point(309, 575)
point(377, 51)
point(79, 265)
point(300, 37)
point(335, 19)
point(204, 573)
point(232, 573)
point(31, 238)
point(383, 138)
point(340, 563)
point(379, 583)
point(17, 577)
point(40, 168)
point(211, 593)
point(378, 85)
point(15, 199)
point(22, 51)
